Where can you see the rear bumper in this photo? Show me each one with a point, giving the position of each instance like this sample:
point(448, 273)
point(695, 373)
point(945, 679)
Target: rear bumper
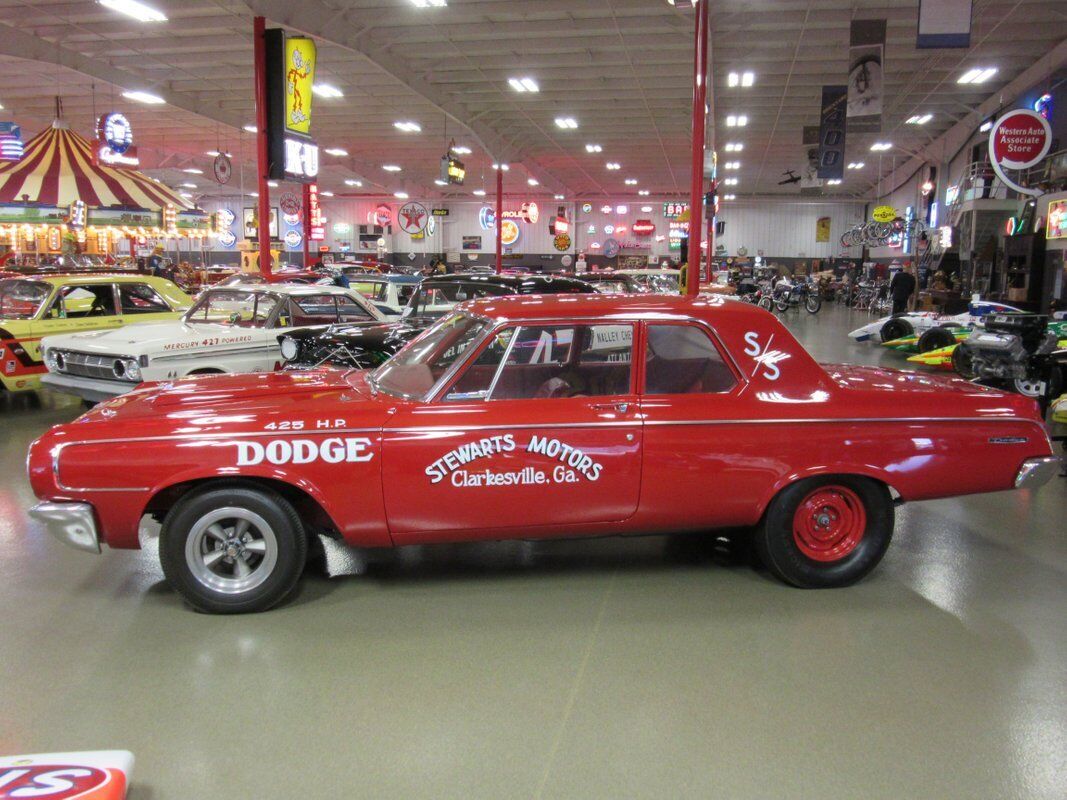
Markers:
point(71, 523)
point(92, 389)
point(1036, 472)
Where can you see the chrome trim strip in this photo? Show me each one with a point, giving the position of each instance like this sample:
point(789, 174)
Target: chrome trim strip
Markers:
point(838, 420)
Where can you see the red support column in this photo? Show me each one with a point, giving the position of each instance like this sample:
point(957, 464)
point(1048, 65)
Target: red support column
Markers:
point(307, 226)
point(696, 179)
point(499, 218)
point(262, 156)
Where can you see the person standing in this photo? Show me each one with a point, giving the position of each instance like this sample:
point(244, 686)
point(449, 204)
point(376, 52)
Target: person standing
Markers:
point(901, 288)
point(156, 262)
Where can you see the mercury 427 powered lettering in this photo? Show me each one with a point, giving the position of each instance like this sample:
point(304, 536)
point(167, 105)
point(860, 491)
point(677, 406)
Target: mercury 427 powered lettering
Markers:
point(533, 417)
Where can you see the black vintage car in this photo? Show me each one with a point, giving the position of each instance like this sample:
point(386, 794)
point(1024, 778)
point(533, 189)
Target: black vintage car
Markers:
point(366, 346)
point(607, 282)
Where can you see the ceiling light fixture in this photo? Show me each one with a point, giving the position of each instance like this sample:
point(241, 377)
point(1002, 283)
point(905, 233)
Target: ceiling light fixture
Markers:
point(646, 209)
point(407, 126)
point(729, 197)
point(732, 165)
point(440, 182)
point(532, 181)
point(736, 120)
point(986, 126)
point(326, 194)
point(461, 151)
point(504, 167)
point(144, 97)
point(186, 195)
point(733, 147)
point(188, 185)
point(327, 90)
point(251, 129)
point(479, 192)
point(833, 182)
point(558, 196)
point(593, 148)
point(132, 8)
point(977, 75)
point(743, 79)
point(730, 182)
point(400, 195)
point(880, 147)
point(272, 184)
point(215, 153)
point(918, 119)
point(524, 84)
point(391, 167)
point(567, 123)
point(193, 171)
point(430, 3)
point(352, 182)
point(856, 165)
point(631, 181)
point(613, 165)
point(335, 151)
point(644, 192)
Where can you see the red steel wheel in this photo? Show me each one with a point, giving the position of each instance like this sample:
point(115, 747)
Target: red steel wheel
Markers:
point(829, 523)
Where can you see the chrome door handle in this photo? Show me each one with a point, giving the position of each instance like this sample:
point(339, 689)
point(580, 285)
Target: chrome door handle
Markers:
point(622, 408)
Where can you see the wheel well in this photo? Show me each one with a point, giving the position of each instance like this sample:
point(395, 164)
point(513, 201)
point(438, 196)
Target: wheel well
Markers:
point(894, 495)
point(207, 371)
point(312, 514)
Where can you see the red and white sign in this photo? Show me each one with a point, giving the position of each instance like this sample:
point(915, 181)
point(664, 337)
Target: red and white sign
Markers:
point(316, 228)
point(383, 215)
point(290, 203)
point(643, 227)
point(1019, 139)
point(412, 217)
point(102, 775)
point(528, 212)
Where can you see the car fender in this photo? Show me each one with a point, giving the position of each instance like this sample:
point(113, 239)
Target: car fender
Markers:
point(852, 470)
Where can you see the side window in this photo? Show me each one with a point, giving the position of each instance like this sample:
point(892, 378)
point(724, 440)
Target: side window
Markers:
point(477, 380)
point(348, 310)
point(315, 309)
point(555, 361)
point(140, 298)
point(682, 359)
point(404, 292)
point(88, 300)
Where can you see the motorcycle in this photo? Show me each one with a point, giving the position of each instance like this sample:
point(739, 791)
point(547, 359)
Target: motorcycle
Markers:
point(793, 295)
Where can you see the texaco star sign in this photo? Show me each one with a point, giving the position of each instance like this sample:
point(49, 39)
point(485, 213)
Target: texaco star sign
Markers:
point(412, 217)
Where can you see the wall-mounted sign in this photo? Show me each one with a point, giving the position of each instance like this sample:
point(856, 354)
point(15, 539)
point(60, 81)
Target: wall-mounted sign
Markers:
point(289, 203)
point(674, 210)
point(562, 242)
point(884, 214)
point(611, 248)
point(622, 210)
point(251, 223)
point(559, 225)
point(115, 131)
point(1019, 140)
point(643, 227)
point(528, 212)
point(609, 229)
point(822, 229)
point(77, 215)
point(591, 230)
point(472, 242)
point(224, 219)
point(11, 148)
point(587, 208)
point(431, 225)
point(605, 209)
point(342, 228)
point(227, 239)
point(316, 225)
point(293, 239)
point(412, 217)
point(291, 219)
point(383, 215)
point(223, 168)
point(509, 232)
point(439, 212)
point(486, 218)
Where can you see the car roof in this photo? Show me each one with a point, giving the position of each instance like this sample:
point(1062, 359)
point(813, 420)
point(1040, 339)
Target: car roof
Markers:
point(647, 271)
point(608, 306)
point(283, 288)
point(88, 277)
point(511, 281)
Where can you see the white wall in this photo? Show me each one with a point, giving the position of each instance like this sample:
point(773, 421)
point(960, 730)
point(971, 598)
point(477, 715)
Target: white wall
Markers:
point(786, 229)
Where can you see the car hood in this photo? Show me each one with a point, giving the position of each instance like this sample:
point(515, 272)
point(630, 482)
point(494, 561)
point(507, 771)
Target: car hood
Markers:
point(146, 338)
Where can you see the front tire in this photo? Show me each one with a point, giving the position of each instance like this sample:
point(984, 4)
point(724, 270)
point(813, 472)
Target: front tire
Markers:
point(233, 550)
point(813, 303)
point(896, 328)
point(826, 532)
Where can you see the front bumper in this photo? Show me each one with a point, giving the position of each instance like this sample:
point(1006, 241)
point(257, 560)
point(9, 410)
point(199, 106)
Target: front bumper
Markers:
point(1036, 472)
point(92, 389)
point(71, 523)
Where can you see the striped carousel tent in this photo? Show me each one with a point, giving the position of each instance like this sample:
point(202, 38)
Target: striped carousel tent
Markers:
point(58, 168)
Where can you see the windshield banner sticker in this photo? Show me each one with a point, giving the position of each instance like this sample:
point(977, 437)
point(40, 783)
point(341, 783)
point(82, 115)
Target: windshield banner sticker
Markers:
point(573, 464)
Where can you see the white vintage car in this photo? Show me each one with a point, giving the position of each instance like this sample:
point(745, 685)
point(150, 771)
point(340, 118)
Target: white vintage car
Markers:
point(228, 330)
point(889, 328)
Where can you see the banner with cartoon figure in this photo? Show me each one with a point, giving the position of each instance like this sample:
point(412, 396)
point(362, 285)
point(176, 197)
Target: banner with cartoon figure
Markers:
point(300, 58)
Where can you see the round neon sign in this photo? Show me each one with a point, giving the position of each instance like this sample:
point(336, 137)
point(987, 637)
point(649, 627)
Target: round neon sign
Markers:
point(116, 132)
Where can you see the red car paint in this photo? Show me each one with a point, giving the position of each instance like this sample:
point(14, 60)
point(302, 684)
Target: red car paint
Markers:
point(375, 468)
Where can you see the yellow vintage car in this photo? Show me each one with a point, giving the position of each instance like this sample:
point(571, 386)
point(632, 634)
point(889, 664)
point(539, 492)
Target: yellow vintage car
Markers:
point(38, 306)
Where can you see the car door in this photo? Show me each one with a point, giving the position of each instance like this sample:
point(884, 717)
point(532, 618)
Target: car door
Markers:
point(139, 302)
point(539, 430)
point(75, 307)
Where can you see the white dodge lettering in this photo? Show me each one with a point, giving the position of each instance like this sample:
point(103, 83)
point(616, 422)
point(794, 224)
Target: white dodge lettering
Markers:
point(334, 450)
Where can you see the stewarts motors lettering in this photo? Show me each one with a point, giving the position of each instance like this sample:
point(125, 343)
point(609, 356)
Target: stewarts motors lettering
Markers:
point(334, 450)
point(573, 463)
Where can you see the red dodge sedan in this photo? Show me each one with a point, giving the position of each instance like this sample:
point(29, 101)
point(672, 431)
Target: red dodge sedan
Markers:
point(535, 416)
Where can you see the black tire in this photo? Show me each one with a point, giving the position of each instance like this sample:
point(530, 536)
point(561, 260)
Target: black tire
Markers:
point(896, 328)
point(782, 304)
point(936, 338)
point(962, 362)
point(765, 303)
point(782, 550)
point(812, 303)
point(186, 544)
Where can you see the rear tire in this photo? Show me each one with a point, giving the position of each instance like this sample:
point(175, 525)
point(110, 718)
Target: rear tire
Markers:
point(233, 550)
point(962, 362)
point(936, 338)
point(826, 532)
point(896, 328)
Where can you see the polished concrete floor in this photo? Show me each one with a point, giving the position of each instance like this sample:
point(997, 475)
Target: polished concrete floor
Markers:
point(650, 668)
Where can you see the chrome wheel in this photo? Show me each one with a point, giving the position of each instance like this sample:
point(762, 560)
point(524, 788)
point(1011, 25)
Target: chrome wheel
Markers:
point(231, 550)
point(1030, 388)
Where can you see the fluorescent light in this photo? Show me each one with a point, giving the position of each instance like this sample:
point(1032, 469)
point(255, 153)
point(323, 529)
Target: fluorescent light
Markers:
point(736, 120)
point(745, 79)
point(646, 209)
point(977, 75)
point(986, 126)
point(144, 97)
point(557, 196)
point(880, 147)
point(730, 182)
point(131, 8)
point(186, 195)
point(918, 119)
point(430, 3)
point(593, 148)
point(391, 167)
point(644, 192)
point(215, 153)
point(326, 194)
point(631, 181)
point(400, 195)
point(188, 185)
point(833, 182)
point(251, 128)
point(524, 84)
point(613, 165)
point(568, 123)
point(352, 182)
point(193, 171)
point(408, 126)
point(504, 167)
point(440, 182)
point(734, 147)
point(729, 197)
point(461, 151)
point(327, 90)
point(748, 78)
point(532, 181)
point(479, 192)
point(732, 165)
point(272, 184)
point(253, 194)
point(856, 165)
point(733, 79)
point(335, 151)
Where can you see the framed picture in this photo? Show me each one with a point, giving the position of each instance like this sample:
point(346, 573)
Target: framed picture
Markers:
point(251, 223)
point(472, 242)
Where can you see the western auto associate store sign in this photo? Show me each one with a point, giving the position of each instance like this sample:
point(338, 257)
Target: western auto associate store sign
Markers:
point(1019, 140)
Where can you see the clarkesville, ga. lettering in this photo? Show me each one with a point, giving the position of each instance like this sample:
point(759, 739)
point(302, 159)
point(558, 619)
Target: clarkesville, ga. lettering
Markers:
point(553, 449)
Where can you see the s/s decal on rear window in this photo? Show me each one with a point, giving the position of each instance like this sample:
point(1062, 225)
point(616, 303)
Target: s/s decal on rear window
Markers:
point(766, 360)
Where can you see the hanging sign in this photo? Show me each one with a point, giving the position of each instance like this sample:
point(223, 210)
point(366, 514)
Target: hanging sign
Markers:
point(884, 214)
point(831, 164)
point(11, 148)
point(866, 48)
point(944, 23)
point(293, 154)
point(114, 142)
point(223, 168)
point(290, 204)
point(299, 68)
point(316, 227)
point(1019, 140)
point(452, 169)
point(412, 217)
point(76, 217)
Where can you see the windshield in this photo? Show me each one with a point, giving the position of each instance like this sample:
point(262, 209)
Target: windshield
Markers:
point(416, 369)
point(372, 290)
point(20, 299)
point(611, 287)
point(241, 308)
point(663, 284)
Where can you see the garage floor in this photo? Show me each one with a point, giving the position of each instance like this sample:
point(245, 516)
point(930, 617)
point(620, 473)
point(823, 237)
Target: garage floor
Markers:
point(650, 668)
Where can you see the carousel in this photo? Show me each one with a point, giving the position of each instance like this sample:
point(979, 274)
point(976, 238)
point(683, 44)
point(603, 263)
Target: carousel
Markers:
point(60, 202)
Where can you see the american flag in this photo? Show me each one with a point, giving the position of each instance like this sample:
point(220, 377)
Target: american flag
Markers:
point(10, 141)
